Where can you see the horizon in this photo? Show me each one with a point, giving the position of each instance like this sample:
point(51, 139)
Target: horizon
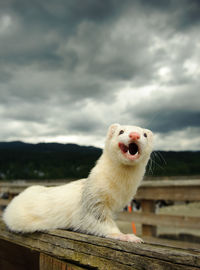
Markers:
point(85, 145)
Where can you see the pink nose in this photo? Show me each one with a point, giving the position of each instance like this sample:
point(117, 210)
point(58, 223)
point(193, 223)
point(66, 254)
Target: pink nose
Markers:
point(134, 136)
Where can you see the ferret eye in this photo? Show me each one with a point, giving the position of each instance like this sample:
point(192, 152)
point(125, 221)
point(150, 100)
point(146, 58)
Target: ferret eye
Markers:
point(121, 132)
point(145, 135)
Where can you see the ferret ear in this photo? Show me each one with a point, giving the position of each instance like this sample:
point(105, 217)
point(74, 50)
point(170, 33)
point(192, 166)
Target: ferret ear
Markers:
point(111, 130)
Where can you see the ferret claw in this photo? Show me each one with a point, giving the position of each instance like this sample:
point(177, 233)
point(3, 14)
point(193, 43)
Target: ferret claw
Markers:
point(126, 237)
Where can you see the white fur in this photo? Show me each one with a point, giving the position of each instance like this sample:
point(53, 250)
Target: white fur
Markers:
point(86, 205)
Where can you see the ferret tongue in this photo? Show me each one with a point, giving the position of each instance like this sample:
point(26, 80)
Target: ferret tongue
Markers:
point(123, 147)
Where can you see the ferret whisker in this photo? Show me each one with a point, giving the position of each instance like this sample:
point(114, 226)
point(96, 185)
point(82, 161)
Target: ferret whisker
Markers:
point(150, 167)
point(157, 164)
point(160, 156)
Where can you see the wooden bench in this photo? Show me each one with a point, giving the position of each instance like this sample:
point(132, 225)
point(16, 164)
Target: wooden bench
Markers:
point(65, 250)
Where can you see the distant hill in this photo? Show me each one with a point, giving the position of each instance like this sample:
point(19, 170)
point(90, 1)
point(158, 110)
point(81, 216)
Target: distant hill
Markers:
point(171, 163)
point(20, 160)
point(46, 147)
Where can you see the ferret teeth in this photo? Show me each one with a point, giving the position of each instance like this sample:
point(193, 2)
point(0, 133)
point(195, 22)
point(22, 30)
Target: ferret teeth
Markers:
point(132, 154)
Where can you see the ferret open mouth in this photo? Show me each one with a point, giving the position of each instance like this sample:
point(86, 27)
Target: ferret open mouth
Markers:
point(131, 151)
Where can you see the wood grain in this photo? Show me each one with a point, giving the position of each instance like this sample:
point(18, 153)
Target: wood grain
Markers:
point(184, 222)
point(88, 251)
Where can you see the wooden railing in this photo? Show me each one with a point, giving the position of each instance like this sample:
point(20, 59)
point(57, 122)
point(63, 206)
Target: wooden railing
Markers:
point(8, 190)
point(176, 191)
point(148, 193)
point(65, 250)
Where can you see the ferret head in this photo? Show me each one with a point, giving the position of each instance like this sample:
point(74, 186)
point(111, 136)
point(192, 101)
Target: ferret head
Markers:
point(129, 145)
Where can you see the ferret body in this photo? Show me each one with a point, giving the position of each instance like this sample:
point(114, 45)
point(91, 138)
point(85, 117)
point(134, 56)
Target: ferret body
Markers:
point(88, 205)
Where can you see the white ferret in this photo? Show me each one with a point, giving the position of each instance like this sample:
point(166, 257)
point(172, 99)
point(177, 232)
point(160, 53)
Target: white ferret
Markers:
point(88, 205)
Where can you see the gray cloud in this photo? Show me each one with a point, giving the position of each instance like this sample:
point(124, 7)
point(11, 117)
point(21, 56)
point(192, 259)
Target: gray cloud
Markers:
point(174, 120)
point(163, 113)
point(69, 67)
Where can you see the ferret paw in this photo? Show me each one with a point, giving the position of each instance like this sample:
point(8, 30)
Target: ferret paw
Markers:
point(125, 237)
point(134, 238)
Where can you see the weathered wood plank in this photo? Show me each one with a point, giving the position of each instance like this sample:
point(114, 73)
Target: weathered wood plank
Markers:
point(149, 183)
point(148, 206)
point(69, 251)
point(173, 243)
point(16, 188)
point(51, 263)
point(185, 222)
point(17, 257)
point(97, 252)
point(154, 251)
point(174, 193)
point(169, 183)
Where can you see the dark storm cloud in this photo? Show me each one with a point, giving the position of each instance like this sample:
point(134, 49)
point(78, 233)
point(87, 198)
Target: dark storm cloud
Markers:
point(58, 56)
point(183, 16)
point(42, 26)
point(83, 125)
point(66, 13)
point(175, 112)
point(189, 15)
point(165, 121)
point(62, 36)
point(46, 25)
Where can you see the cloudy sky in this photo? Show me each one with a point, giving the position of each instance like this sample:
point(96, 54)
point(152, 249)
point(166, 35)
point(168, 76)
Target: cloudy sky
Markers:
point(70, 68)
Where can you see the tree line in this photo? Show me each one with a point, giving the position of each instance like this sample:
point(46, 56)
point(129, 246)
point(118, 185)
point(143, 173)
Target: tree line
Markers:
point(60, 161)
